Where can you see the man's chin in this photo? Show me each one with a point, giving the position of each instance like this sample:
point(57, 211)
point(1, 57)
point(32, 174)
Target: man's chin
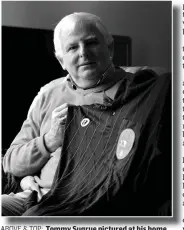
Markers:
point(88, 80)
point(91, 74)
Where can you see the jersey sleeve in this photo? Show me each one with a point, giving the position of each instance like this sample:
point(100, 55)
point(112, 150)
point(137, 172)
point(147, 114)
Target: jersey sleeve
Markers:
point(27, 153)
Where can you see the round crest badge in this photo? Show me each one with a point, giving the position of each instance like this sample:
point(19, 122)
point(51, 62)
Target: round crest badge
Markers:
point(85, 122)
point(125, 143)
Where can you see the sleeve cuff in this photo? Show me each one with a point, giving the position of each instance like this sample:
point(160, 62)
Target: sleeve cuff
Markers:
point(42, 147)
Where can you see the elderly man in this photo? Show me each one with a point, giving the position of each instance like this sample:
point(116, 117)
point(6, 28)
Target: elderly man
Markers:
point(90, 143)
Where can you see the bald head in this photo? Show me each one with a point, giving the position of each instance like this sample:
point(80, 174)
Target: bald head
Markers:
point(80, 18)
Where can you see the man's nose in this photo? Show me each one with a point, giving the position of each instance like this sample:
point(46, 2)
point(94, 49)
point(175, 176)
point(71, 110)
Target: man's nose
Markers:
point(83, 51)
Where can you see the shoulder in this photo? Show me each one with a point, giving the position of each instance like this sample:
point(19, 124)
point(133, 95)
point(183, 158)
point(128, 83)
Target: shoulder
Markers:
point(49, 87)
point(47, 91)
point(145, 76)
point(139, 81)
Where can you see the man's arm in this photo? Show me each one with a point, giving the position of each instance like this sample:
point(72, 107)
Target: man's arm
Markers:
point(27, 153)
point(31, 148)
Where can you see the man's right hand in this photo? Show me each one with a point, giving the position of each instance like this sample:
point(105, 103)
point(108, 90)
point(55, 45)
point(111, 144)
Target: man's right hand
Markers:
point(54, 138)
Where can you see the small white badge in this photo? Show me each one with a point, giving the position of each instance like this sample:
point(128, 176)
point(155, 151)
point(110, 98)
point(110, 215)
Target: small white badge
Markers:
point(85, 122)
point(125, 143)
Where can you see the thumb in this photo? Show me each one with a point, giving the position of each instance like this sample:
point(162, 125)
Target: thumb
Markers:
point(41, 183)
point(37, 179)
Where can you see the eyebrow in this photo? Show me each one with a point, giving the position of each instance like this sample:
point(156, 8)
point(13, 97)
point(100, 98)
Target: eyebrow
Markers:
point(87, 38)
point(90, 37)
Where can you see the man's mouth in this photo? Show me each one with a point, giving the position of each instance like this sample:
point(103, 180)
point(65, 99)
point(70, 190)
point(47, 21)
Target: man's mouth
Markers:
point(87, 63)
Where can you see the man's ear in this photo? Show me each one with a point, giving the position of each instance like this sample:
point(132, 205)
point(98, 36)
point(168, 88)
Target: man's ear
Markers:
point(111, 50)
point(60, 59)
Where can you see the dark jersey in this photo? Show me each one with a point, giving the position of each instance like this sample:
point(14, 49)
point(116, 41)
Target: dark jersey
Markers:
point(116, 157)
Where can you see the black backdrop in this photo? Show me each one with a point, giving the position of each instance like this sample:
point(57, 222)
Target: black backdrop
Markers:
point(28, 63)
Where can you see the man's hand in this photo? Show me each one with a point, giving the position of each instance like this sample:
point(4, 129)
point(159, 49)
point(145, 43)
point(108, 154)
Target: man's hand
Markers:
point(30, 183)
point(54, 138)
point(43, 184)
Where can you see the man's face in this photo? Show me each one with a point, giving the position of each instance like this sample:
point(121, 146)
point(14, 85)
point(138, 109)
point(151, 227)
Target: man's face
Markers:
point(85, 53)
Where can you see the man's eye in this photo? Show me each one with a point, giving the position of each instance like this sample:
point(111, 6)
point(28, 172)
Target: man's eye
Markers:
point(93, 42)
point(72, 48)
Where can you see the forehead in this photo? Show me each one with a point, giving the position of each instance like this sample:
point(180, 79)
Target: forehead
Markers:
point(79, 29)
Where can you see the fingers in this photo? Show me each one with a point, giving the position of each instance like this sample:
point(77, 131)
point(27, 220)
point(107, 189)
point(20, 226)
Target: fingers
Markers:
point(41, 183)
point(62, 120)
point(39, 194)
point(37, 179)
point(35, 187)
point(60, 112)
point(53, 139)
point(61, 107)
point(59, 120)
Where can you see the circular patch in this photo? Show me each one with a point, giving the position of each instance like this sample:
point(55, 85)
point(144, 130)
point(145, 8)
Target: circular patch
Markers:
point(125, 143)
point(85, 122)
